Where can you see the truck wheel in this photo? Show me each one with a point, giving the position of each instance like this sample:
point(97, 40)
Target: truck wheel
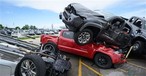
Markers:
point(83, 37)
point(31, 65)
point(103, 61)
point(138, 47)
point(51, 47)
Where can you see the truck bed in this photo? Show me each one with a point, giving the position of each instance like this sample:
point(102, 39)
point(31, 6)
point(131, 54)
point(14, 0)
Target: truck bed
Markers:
point(45, 38)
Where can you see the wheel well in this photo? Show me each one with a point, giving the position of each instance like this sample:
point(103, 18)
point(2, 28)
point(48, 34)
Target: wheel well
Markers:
point(95, 54)
point(47, 43)
point(101, 53)
point(138, 39)
point(98, 53)
point(95, 30)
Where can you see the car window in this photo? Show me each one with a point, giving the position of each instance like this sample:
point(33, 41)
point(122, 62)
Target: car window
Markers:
point(132, 19)
point(68, 34)
point(145, 25)
point(138, 23)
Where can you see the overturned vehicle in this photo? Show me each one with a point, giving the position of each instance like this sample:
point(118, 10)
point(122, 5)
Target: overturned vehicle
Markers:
point(43, 64)
point(90, 26)
point(20, 58)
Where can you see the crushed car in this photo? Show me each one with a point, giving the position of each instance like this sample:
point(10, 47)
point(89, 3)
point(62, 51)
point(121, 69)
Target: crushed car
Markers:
point(90, 26)
point(20, 58)
point(103, 55)
point(43, 64)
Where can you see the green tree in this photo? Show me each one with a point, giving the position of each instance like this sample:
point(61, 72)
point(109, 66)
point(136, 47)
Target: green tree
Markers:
point(1, 26)
point(6, 27)
point(17, 27)
point(33, 27)
point(26, 27)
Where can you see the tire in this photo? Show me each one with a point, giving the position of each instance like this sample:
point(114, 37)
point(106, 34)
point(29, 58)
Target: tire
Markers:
point(83, 37)
point(138, 47)
point(103, 61)
point(53, 48)
point(31, 65)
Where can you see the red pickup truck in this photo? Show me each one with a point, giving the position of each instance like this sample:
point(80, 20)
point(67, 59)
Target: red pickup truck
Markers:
point(103, 56)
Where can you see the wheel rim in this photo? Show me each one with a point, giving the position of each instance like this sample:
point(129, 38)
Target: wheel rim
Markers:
point(28, 68)
point(135, 46)
point(84, 37)
point(102, 61)
point(49, 48)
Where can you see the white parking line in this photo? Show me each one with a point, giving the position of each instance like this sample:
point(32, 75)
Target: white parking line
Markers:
point(137, 65)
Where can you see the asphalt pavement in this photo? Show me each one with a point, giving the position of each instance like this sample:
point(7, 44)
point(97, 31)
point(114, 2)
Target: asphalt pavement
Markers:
point(84, 67)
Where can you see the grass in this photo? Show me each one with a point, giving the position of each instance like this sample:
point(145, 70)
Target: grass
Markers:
point(29, 37)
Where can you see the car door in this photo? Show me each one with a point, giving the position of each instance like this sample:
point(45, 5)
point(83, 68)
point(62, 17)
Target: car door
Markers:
point(84, 50)
point(66, 41)
point(7, 68)
point(143, 30)
point(67, 44)
point(137, 26)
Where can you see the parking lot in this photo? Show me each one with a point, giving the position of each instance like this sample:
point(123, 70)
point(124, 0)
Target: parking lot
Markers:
point(81, 66)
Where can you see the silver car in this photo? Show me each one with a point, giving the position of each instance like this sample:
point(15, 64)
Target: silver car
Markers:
point(9, 57)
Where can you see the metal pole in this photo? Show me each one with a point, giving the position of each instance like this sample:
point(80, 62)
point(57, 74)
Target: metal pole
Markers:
point(129, 52)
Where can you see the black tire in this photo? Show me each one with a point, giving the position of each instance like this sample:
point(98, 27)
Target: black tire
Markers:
point(138, 47)
point(53, 48)
point(79, 34)
point(34, 62)
point(103, 61)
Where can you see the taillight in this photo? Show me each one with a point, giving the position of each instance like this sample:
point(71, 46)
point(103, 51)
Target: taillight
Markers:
point(41, 39)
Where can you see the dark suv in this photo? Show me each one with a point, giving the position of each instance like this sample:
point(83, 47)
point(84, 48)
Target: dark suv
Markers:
point(89, 26)
point(139, 34)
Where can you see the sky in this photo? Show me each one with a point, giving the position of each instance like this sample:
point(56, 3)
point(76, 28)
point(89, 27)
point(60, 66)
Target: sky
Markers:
point(45, 13)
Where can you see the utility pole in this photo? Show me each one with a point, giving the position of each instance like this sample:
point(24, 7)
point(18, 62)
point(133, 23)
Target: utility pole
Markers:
point(52, 27)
